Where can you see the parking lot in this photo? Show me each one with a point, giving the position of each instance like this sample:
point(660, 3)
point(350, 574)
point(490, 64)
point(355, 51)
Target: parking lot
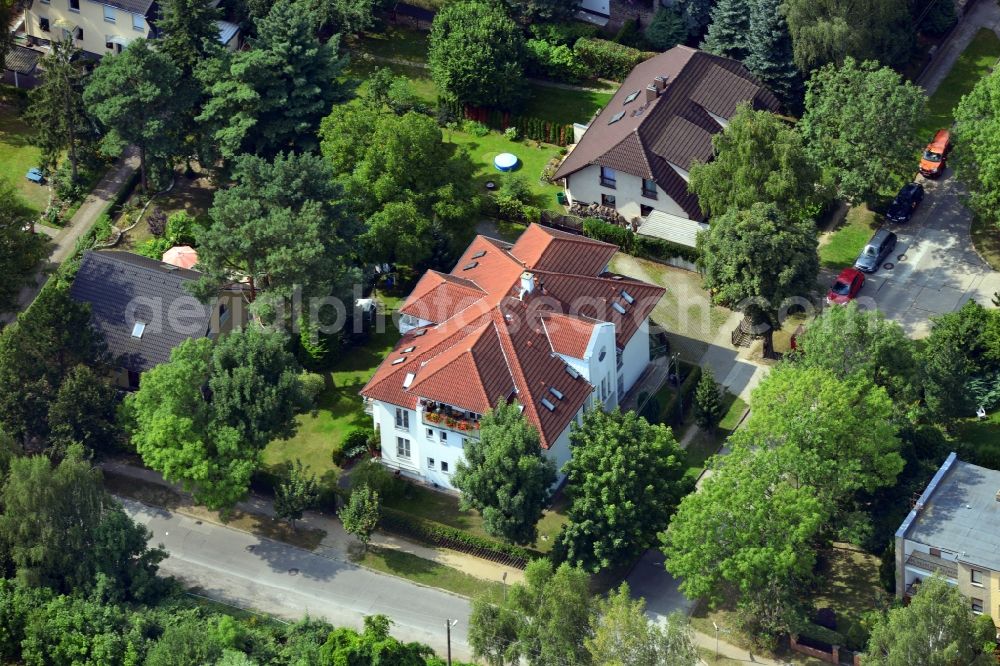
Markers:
point(934, 268)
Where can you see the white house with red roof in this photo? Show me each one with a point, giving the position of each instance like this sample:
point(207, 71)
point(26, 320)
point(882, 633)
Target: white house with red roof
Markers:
point(541, 322)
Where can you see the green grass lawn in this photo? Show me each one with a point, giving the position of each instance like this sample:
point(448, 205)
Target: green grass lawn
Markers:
point(975, 62)
point(850, 587)
point(704, 445)
point(17, 155)
point(843, 245)
point(398, 42)
point(340, 409)
point(977, 433)
point(425, 572)
point(986, 238)
point(564, 106)
point(482, 150)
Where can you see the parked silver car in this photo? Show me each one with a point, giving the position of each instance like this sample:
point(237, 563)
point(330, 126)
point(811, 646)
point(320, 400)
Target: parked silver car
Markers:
point(875, 251)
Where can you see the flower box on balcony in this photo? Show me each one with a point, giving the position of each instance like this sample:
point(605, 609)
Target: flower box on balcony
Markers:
point(433, 418)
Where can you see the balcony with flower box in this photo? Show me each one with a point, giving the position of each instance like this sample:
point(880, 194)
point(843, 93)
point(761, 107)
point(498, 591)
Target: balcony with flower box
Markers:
point(445, 416)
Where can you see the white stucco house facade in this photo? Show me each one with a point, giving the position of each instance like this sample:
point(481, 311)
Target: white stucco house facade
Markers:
point(541, 322)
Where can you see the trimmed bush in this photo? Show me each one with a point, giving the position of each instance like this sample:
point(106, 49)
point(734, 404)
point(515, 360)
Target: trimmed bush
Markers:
point(554, 61)
point(607, 59)
point(658, 249)
point(668, 411)
point(312, 385)
point(437, 534)
point(610, 233)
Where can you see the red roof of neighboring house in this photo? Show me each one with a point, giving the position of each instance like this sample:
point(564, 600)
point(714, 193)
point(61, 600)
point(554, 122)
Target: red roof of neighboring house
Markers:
point(643, 137)
point(489, 342)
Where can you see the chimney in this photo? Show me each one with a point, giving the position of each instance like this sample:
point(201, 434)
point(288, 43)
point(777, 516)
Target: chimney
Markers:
point(651, 92)
point(998, 495)
point(527, 283)
point(660, 82)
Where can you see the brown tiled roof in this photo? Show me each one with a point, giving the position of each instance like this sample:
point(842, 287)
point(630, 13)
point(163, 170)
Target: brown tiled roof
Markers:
point(674, 127)
point(494, 345)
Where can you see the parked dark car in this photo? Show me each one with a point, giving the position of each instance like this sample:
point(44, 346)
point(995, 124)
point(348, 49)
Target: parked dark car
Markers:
point(875, 251)
point(902, 207)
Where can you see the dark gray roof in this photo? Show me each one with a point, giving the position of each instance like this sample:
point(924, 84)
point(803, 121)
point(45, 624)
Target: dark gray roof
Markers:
point(22, 60)
point(124, 288)
point(959, 512)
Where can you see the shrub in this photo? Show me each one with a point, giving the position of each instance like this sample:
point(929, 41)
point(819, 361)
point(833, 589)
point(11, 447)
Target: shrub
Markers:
point(510, 134)
point(659, 249)
point(450, 537)
point(666, 30)
point(609, 233)
point(517, 188)
point(629, 35)
point(563, 33)
point(180, 229)
point(154, 247)
point(668, 411)
point(157, 222)
point(475, 128)
point(508, 207)
point(608, 59)
point(312, 386)
point(553, 61)
point(371, 473)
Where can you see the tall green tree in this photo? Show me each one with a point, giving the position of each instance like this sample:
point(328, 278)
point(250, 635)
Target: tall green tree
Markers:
point(49, 339)
point(83, 412)
point(622, 635)
point(849, 340)
point(859, 124)
point(210, 441)
point(411, 188)
point(756, 259)
point(749, 531)
point(830, 31)
point(934, 629)
point(729, 30)
point(271, 98)
point(758, 158)
point(697, 14)
point(138, 96)
point(361, 514)
point(977, 141)
point(190, 33)
point(56, 109)
point(296, 493)
point(667, 29)
point(544, 620)
point(624, 477)
point(708, 410)
point(278, 227)
point(62, 530)
point(532, 11)
point(848, 423)
point(20, 250)
point(505, 476)
point(476, 54)
point(770, 56)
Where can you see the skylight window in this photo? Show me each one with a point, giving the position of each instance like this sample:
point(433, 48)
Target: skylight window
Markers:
point(618, 308)
point(481, 253)
point(408, 350)
point(572, 372)
point(417, 334)
point(556, 392)
point(628, 297)
point(548, 405)
point(470, 266)
point(138, 329)
point(615, 118)
point(631, 97)
point(398, 361)
point(408, 380)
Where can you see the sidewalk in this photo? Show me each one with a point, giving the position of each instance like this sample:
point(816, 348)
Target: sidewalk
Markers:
point(985, 14)
point(337, 543)
point(64, 240)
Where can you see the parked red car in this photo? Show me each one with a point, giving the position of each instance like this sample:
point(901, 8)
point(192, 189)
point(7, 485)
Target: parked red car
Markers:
point(846, 287)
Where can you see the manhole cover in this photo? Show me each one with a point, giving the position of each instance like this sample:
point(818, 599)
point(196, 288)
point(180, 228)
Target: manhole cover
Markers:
point(197, 522)
point(293, 572)
point(250, 548)
point(888, 266)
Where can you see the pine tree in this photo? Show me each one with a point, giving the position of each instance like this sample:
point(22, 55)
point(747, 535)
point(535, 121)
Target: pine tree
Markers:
point(57, 110)
point(770, 56)
point(727, 35)
point(707, 401)
point(190, 32)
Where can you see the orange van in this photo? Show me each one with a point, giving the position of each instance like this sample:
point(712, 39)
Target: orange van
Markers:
point(936, 154)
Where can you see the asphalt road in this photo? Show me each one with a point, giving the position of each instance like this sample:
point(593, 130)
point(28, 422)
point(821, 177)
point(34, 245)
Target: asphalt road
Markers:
point(249, 571)
point(934, 268)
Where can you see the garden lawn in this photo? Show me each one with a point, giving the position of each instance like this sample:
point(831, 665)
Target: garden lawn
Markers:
point(986, 239)
point(841, 247)
point(975, 62)
point(983, 433)
point(483, 149)
point(17, 155)
point(564, 106)
point(339, 408)
point(704, 445)
point(424, 572)
point(850, 587)
point(397, 42)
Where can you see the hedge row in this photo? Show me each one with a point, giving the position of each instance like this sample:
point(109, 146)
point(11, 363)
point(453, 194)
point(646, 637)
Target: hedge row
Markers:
point(528, 127)
point(661, 250)
point(666, 413)
point(607, 59)
point(435, 533)
point(610, 233)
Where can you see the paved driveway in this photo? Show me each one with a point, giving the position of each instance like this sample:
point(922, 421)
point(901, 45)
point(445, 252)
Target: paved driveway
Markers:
point(934, 268)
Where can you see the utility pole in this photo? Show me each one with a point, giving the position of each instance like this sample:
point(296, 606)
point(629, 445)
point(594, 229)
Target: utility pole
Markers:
point(675, 358)
point(448, 624)
point(716, 640)
point(503, 578)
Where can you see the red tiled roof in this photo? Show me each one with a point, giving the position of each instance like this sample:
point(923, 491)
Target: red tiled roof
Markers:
point(674, 127)
point(493, 344)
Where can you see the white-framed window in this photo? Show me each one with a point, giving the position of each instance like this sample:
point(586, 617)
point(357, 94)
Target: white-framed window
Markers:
point(74, 5)
point(402, 418)
point(977, 606)
point(976, 576)
point(444, 466)
point(138, 22)
point(430, 463)
point(110, 15)
point(444, 436)
point(402, 447)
